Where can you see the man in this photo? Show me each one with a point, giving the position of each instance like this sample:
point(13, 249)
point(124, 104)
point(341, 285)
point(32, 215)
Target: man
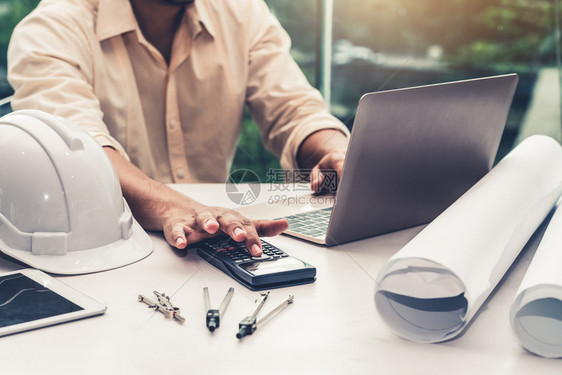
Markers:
point(162, 85)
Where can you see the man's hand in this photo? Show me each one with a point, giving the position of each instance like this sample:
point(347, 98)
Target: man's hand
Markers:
point(183, 220)
point(322, 151)
point(192, 222)
point(333, 162)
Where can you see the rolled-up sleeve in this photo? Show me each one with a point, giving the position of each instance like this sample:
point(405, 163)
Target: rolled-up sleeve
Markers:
point(51, 68)
point(282, 102)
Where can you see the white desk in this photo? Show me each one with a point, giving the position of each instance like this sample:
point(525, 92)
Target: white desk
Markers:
point(332, 328)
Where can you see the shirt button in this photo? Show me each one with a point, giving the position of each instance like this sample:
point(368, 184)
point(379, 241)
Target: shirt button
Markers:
point(173, 123)
point(180, 173)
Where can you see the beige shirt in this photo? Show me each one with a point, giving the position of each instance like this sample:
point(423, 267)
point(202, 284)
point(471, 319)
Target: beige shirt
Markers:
point(89, 62)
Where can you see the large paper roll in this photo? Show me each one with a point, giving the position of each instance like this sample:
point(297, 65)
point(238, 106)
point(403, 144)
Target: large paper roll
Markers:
point(536, 312)
point(430, 289)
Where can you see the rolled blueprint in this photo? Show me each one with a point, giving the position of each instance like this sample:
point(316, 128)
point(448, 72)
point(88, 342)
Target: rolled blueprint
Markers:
point(536, 312)
point(430, 289)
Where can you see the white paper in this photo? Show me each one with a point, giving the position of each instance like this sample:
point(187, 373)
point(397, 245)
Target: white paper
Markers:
point(431, 288)
point(536, 312)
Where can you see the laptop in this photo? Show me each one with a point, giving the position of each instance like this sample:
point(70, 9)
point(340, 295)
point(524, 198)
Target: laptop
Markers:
point(412, 153)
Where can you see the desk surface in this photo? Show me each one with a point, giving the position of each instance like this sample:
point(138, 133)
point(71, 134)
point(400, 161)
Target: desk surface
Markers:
point(332, 328)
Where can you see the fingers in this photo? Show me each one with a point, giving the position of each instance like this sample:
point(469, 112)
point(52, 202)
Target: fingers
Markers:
point(241, 229)
point(180, 232)
point(270, 228)
point(176, 235)
point(265, 228)
point(231, 225)
point(201, 224)
point(253, 242)
point(333, 161)
point(316, 178)
point(206, 221)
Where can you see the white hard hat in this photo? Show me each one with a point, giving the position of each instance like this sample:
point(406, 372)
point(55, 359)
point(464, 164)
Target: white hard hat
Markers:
point(61, 206)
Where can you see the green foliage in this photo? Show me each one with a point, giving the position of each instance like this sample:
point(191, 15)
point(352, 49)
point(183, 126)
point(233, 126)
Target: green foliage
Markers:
point(514, 33)
point(298, 19)
point(11, 12)
point(251, 153)
point(470, 32)
point(477, 37)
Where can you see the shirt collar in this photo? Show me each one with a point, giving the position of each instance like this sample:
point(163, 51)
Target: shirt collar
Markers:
point(198, 18)
point(116, 17)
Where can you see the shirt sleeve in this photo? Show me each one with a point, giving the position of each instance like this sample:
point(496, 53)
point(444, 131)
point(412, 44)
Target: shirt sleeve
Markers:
point(282, 102)
point(50, 67)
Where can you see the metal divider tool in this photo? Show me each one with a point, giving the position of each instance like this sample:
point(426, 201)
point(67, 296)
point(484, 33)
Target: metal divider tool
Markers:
point(214, 315)
point(163, 305)
point(249, 324)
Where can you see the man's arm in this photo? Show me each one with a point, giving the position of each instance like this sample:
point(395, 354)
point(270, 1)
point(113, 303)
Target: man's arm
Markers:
point(293, 118)
point(322, 150)
point(183, 220)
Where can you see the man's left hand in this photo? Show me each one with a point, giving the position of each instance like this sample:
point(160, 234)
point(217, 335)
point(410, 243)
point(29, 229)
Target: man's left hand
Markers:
point(332, 163)
point(323, 151)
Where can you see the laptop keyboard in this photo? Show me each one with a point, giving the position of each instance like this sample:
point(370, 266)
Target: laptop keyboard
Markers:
point(311, 223)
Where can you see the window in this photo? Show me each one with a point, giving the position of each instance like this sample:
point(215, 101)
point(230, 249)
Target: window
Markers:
point(386, 44)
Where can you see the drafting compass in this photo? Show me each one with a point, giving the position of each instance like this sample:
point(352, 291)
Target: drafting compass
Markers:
point(163, 305)
point(213, 315)
point(249, 324)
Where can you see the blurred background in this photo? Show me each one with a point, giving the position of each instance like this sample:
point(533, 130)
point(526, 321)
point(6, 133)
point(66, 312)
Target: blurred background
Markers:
point(349, 47)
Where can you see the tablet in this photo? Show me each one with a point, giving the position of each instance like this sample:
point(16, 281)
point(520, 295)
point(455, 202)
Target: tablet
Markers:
point(32, 299)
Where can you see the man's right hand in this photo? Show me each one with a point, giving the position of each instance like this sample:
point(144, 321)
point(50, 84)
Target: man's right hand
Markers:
point(191, 223)
point(183, 220)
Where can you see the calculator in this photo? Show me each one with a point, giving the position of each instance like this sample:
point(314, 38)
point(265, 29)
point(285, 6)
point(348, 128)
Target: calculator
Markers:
point(273, 269)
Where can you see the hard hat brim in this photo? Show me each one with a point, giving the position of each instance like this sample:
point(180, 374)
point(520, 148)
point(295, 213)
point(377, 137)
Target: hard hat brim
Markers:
point(114, 255)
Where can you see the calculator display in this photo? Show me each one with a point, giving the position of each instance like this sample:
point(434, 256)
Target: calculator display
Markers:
point(275, 266)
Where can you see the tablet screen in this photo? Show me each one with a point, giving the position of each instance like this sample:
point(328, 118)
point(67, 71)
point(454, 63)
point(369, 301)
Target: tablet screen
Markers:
point(24, 300)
